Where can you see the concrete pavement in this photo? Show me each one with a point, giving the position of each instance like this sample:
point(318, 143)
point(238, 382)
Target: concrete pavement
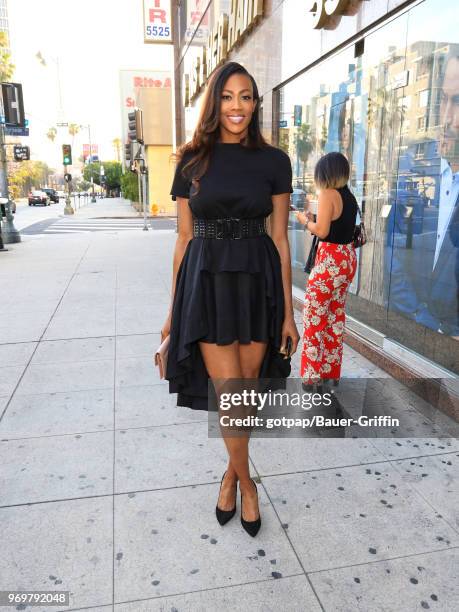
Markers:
point(108, 490)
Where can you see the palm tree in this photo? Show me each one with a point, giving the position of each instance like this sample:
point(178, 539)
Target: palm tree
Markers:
point(117, 146)
point(51, 133)
point(74, 128)
point(304, 146)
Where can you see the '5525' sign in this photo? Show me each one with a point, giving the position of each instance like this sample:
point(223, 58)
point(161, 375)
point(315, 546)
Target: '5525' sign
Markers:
point(157, 21)
point(327, 13)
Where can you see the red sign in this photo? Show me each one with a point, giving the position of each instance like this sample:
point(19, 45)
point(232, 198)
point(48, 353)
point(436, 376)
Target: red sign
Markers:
point(87, 153)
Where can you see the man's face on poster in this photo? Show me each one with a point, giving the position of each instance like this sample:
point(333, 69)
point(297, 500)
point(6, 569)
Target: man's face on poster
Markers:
point(449, 110)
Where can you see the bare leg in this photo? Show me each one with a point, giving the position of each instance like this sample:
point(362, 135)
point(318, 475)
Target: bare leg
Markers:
point(235, 361)
point(251, 359)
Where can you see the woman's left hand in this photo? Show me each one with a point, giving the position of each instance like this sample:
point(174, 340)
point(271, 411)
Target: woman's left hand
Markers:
point(289, 330)
point(301, 217)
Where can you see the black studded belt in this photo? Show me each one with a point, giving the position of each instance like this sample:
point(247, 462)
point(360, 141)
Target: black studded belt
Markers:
point(229, 227)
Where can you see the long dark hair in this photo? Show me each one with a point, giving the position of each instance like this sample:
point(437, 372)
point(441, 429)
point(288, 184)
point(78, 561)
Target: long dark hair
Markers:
point(207, 130)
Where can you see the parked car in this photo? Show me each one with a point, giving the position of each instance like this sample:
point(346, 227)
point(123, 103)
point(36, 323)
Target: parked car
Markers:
point(38, 197)
point(53, 195)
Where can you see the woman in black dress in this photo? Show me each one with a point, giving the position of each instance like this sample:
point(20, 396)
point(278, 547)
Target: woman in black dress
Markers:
point(231, 311)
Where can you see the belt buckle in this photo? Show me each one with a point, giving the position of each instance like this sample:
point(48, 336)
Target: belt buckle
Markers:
point(219, 228)
point(235, 229)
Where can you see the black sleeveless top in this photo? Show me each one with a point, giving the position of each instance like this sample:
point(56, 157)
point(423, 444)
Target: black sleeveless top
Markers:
point(342, 228)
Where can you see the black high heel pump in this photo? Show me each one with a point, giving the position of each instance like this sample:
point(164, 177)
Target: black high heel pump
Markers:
point(252, 527)
point(223, 516)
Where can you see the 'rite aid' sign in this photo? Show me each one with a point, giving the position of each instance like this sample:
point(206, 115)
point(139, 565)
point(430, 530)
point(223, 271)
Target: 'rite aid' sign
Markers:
point(157, 17)
point(327, 13)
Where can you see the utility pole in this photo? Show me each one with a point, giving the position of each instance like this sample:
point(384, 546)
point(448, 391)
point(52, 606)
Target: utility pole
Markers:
point(137, 163)
point(10, 233)
point(135, 134)
point(67, 161)
point(144, 185)
point(93, 197)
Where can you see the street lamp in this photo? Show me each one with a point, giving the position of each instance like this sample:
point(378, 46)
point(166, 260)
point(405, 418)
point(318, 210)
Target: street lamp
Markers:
point(42, 61)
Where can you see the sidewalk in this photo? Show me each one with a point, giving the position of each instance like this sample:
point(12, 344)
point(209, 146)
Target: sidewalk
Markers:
point(108, 490)
point(105, 207)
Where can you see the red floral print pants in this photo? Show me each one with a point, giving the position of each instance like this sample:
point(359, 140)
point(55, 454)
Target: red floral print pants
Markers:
point(324, 311)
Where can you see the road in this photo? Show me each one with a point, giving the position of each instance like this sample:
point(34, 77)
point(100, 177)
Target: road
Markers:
point(27, 215)
point(106, 214)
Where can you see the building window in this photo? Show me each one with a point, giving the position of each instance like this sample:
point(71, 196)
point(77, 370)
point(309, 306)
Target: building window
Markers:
point(424, 67)
point(422, 123)
point(423, 97)
point(420, 150)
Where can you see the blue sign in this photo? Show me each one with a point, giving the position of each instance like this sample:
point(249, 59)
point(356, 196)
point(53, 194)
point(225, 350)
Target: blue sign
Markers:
point(16, 131)
point(283, 123)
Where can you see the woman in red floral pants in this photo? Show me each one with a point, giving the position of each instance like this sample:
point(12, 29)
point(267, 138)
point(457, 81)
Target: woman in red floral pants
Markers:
point(333, 271)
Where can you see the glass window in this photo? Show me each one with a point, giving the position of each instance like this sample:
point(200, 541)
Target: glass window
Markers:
point(424, 266)
point(422, 123)
point(423, 97)
point(394, 112)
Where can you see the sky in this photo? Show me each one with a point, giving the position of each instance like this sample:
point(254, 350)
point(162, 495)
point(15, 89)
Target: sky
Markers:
point(94, 40)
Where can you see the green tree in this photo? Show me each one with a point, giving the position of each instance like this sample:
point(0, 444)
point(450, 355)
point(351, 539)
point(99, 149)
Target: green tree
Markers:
point(112, 171)
point(304, 146)
point(28, 175)
point(130, 186)
point(284, 139)
point(6, 66)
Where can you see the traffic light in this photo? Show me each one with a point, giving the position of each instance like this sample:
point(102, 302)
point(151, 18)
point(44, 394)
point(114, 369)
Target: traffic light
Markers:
point(297, 114)
point(128, 151)
point(135, 126)
point(21, 153)
point(67, 155)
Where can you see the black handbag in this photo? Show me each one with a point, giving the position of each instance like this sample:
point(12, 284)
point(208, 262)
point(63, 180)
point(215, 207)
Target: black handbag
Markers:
point(360, 233)
point(312, 255)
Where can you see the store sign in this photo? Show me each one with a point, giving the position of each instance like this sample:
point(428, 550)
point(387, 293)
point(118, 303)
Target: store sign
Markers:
point(229, 32)
point(90, 151)
point(327, 13)
point(157, 21)
point(131, 84)
point(197, 21)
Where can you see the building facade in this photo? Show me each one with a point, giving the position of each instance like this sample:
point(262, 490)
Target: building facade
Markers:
point(151, 90)
point(377, 80)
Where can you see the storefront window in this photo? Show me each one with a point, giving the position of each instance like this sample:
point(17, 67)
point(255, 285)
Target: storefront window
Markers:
point(394, 113)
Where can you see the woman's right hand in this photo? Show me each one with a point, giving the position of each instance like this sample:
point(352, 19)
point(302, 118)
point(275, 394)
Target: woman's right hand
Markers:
point(166, 328)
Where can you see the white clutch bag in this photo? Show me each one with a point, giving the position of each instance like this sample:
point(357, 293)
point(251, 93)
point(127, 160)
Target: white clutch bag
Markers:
point(161, 356)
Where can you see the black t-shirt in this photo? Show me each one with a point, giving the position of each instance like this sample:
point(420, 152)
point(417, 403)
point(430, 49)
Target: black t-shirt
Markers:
point(239, 182)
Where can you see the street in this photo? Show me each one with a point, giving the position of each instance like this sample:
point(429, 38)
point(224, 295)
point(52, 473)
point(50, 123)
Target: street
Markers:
point(36, 220)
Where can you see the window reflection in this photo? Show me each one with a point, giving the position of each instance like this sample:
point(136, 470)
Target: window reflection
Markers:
point(394, 113)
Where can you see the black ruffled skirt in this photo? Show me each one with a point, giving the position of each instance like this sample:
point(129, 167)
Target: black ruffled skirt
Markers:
point(226, 290)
